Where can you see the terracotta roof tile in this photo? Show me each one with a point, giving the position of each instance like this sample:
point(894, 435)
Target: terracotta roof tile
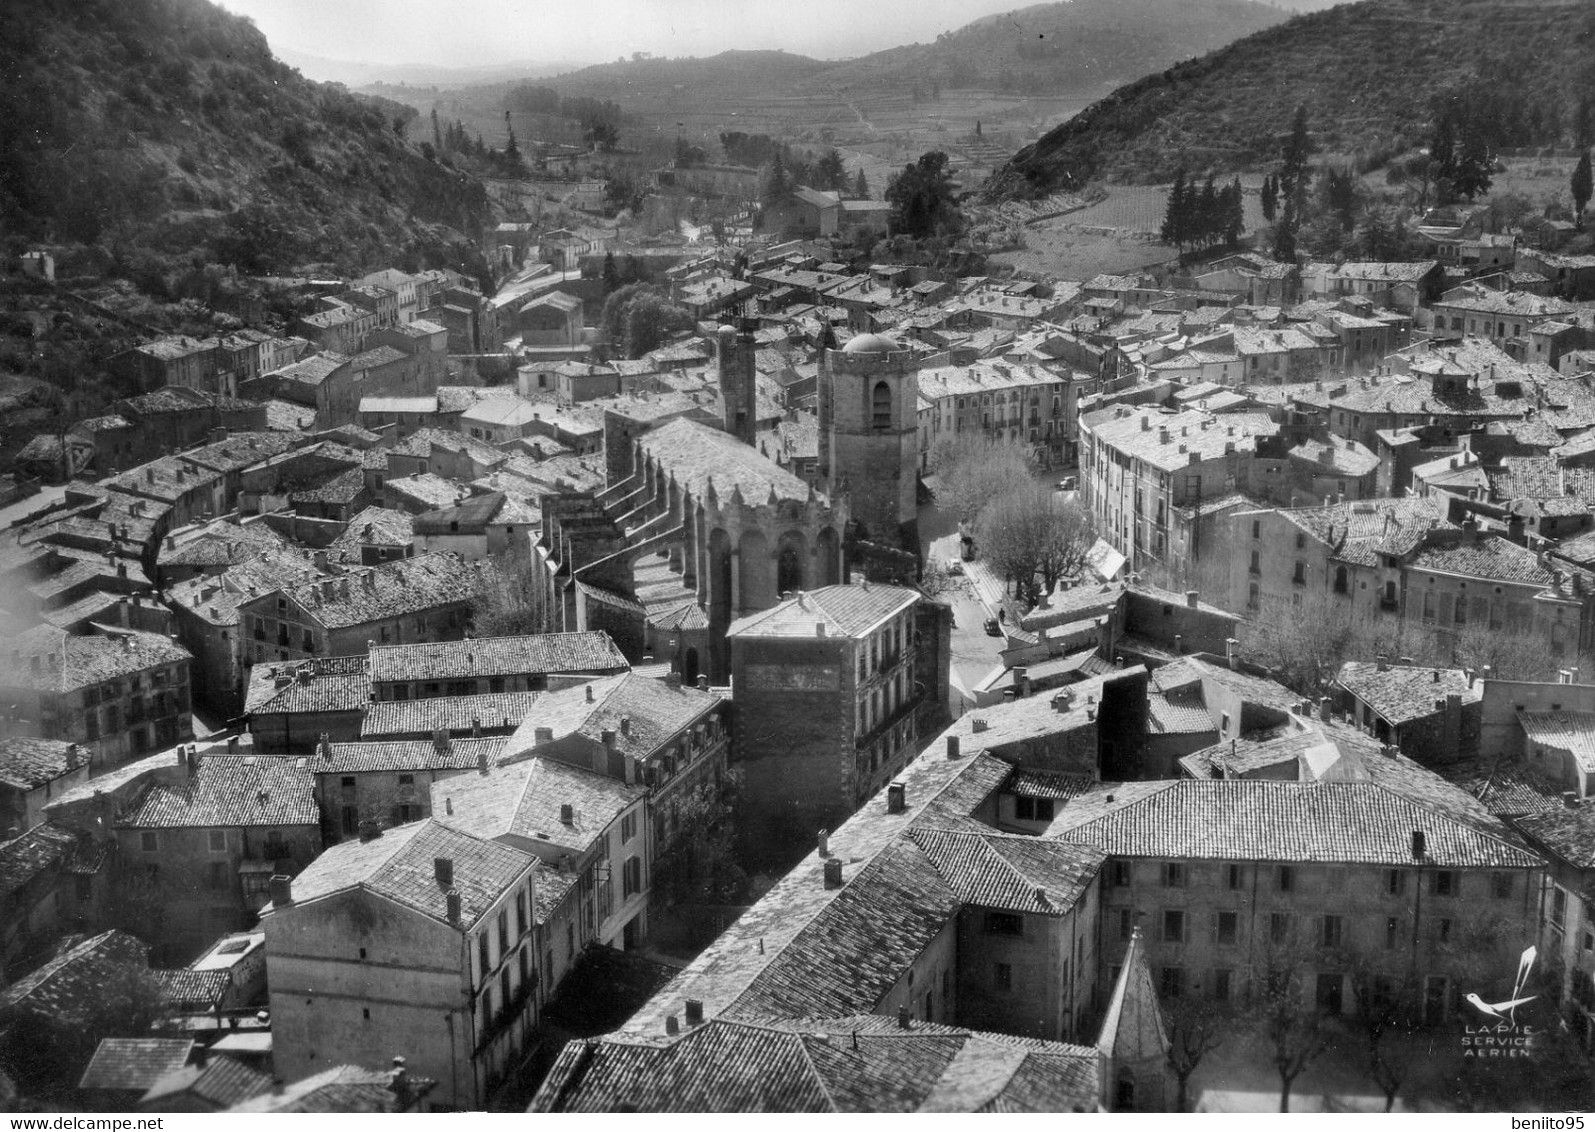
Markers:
point(231, 790)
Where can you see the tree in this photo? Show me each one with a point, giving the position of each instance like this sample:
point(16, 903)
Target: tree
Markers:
point(1196, 1027)
point(971, 470)
point(1475, 168)
point(1233, 208)
point(699, 863)
point(1295, 1031)
point(610, 274)
point(829, 172)
point(1033, 537)
point(1383, 1005)
point(1176, 215)
point(1581, 185)
point(612, 321)
point(861, 185)
point(650, 320)
point(1339, 189)
point(977, 128)
point(1270, 198)
point(777, 188)
point(603, 136)
point(922, 199)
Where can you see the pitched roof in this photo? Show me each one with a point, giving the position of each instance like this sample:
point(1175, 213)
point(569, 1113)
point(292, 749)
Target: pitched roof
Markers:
point(853, 1064)
point(73, 982)
point(490, 710)
point(1402, 693)
point(1571, 731)
point(317, 684)
point(526, 799)
point(342, 1089)
point(1567, 832)
point(72, 662)
point(1254, 820)
point(391, 589)
point(218, 1084)
point(405, 754)
point(231, 790)
point(34, 852)
point(699, 456)
point(845, 611)
point(27, 762)
point(1492, 556)
point(182, 985)
point(539, 653)
point(399, 866)
point(644, 713)
point(134, 1063)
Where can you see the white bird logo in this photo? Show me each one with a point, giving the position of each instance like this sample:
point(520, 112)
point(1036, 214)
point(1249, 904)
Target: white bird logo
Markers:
point(1525, 964)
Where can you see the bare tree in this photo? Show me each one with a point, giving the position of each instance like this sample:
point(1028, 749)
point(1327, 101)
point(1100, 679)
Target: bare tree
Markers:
point(1196, 1027)
point(1306, 644)
point(1384, 1006)
point(1034, 537)
point(504, 606)
point(1294, 1030)
point(971, 471)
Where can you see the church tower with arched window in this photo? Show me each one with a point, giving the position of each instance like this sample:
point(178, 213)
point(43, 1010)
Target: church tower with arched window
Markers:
point(869, 423)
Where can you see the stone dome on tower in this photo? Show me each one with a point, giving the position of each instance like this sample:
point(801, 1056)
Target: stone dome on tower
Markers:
point(870, 344)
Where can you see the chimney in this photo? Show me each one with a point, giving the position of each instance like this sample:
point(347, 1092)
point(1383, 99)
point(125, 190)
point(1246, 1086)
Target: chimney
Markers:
point(542, 735)
point(1324, 709)
point(703, 683)
point(1570, 798)
point(902, 1017)
point(440, 740)
point(952, 746)
point(1021, 682)
point(823, 840)
point(482, 765)
point(671, 1025)
point(1418, 845)
point(977, 725)
point(451, 900)
point(448, 806)
point(282, 891)
point(819, 628)
point(607, 737)
point(1381, 663)
point(896, 798)
point(833, 872)
point(625, 725)
point(1231, 651)
point(1179, 644)
point(589, 693)
point(694, 1012)
point(443, 870)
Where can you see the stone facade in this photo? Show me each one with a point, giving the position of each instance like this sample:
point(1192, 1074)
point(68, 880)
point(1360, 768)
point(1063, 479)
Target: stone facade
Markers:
point(869, 422)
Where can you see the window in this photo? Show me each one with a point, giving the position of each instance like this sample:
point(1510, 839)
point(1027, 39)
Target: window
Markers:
point(1333, 931)
point(1443, 883)
point(1004, 923)
point(1171, 982)
point(1228, 926)
point(1173, 926)
point(1442, 932)
point(1173, 874)
point(218, 841)
point(1121, 874)
point(1234, 872)
point(1002, 977)
point(1558, 906)
point(1257, 528)
point(881, 406)
point(1396, 882)
point(481, 953)
point(1278, 927)
point(520, 912)
point(633, 876)
point(149, 841)
point(503, 930)
point(1341, 580)
point(1033, 809)
point(406, 780)
point(1221, 985)
point(1299, 575)
point(1501, 886)
point(628, 827)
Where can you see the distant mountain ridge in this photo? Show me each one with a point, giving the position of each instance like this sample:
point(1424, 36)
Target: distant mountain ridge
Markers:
point(167, 126)
point(1367, 73)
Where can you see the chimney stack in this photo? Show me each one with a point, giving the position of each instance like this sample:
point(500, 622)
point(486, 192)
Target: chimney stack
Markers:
point(833, 872)
point(567, 814)
point(694, 1012)
point(823, 840)
point(451, 900)
point(952, 746)
point(443, 870)
point(902, 1017)
point(282, 891)
point(589, 688)
point(896, 798)
point(1419, 845)
point(703, 683)
point(1190, 598)
point(671, 1025)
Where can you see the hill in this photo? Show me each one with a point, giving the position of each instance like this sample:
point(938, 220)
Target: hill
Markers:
point(1073, 47)
point(1369, 74)
point(165, 128)
point(729, 74)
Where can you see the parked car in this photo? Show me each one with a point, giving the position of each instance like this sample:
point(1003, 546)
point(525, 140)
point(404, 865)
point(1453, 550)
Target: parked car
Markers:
point(992, 628)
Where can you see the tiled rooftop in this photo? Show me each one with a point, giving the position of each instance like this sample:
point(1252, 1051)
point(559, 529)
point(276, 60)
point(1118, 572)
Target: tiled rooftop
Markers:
point(134, 1064)
point(27, 762)
point(1571, 731)
point(844, 610)
point(399, 865)
point(228, 791)
point(497, 656)
point(524, 799)
point(1402, 693)
point(405, 754)
point(698, 455)
point(74, 982)
point(501, 710)
point(70, 662)
point(643, 713)
point(391, 589)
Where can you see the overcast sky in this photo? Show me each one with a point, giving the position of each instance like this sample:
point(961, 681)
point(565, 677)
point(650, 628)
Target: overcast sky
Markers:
point(455, 33)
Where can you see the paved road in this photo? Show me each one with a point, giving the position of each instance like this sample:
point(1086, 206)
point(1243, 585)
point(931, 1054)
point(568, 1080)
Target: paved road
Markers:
point(974, 654)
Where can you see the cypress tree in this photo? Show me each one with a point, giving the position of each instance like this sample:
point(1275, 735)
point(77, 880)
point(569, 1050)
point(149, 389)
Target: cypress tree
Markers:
point(1174, 215)
point(1270, 198)
point(1581, 186)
